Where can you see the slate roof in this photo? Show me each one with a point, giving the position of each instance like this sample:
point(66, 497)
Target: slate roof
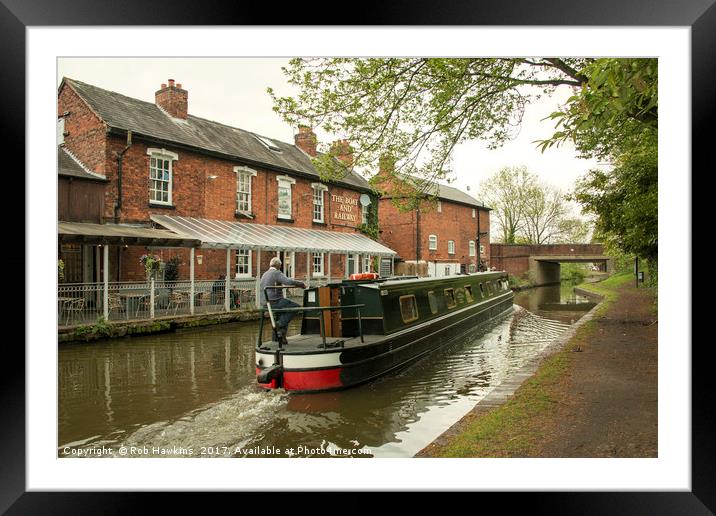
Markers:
point(449, 193)
point(445, 192)
point(68, 165)
point(145, 118)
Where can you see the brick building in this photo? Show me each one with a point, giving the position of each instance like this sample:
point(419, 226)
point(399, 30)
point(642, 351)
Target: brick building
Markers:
point(442, 236)
point(158, 167)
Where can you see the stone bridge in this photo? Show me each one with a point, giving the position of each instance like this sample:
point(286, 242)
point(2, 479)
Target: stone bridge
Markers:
point(542, 261)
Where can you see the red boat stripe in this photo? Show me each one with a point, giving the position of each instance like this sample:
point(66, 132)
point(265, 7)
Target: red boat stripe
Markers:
point(312, 380)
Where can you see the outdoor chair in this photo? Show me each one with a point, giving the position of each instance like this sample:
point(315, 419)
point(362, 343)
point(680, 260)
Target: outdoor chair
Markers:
point(73, 307)
point(143, 305)
point(203, 299)
point(176, 300)
point(114, 302)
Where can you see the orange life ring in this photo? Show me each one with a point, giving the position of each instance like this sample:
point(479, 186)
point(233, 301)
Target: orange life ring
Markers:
point(364, 275)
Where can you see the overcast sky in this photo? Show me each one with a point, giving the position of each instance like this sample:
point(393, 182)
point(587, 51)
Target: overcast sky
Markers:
point(233, 91)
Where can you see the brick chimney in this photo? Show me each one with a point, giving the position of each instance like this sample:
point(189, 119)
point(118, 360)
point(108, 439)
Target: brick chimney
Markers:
point(306, 140)
point(386, 165)
point(384, 180)
point(342, 150)
point(172, 99)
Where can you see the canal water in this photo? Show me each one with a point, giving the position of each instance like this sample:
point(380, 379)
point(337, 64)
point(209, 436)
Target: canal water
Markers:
point(193, 392)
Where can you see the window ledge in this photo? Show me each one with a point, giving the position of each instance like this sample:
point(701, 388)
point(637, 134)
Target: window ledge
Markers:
point(244, 215)
point(317, 223)
point(162, 206)
point(279, 219)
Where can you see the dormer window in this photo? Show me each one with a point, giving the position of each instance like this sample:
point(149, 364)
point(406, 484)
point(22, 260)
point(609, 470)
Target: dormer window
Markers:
point(269, 144)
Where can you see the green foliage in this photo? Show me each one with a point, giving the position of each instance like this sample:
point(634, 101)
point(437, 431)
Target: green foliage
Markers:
point(60, 270)
point(369, 230)
point(528, 211)
point(329, 168)
point(371, 227)
point(100, 329)
point(151, 263)
point(625, 200)
point(612, 111)
point(506, 193)
point(419, 109)
point(572, 272)
point(171, 271)
point(416, 110)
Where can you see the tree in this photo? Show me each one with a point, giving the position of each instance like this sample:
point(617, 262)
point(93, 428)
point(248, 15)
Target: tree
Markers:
point(574, 230)
point(419, 109)
point(615, 110)
point(528, 211)
point(544, 213)
point(625, 200)
point(506, 193)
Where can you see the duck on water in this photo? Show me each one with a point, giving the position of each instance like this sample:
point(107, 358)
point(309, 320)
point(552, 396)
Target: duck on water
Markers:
point(358, 329)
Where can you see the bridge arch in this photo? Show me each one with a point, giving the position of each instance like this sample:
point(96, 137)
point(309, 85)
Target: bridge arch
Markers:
point(542, 262)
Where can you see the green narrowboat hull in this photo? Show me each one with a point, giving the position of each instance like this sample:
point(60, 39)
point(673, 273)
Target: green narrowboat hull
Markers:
point(387, 342)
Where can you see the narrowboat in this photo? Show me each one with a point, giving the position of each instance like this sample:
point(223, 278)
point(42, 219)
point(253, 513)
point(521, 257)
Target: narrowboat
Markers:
point(359, 329)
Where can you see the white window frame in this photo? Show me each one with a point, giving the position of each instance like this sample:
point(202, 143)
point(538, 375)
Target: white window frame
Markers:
point(451, 246)
point(366, 263)
point(474, 213)
point(240, 253)
point(440, 206)
point(432, 242)
point(471, 246)
point(162, 154)
point(318, 187)
point(285, 182)
point(249, 173)
point(482, 249)
point(318, 272)
point(364, 213)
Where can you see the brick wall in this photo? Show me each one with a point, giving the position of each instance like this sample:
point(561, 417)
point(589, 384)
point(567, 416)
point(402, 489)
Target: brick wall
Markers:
point(194, 194)
point(85, 132)
point(455, 222)
point(514, 258)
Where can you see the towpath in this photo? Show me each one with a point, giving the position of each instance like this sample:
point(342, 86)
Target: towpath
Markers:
point(597, 397)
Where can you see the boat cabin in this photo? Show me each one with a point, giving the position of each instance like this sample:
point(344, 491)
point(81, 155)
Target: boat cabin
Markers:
point(391, 305)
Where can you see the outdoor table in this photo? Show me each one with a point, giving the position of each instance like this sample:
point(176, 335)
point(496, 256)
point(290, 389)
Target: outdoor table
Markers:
point(237, 296)
point(132, 300)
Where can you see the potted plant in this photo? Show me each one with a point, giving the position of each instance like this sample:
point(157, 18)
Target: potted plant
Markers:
point(152, 264)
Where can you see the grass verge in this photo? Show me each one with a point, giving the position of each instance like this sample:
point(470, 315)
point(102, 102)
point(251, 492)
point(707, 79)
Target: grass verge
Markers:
point(516, 428)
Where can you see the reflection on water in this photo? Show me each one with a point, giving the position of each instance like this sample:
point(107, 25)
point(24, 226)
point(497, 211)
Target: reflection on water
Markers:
point(196, 390)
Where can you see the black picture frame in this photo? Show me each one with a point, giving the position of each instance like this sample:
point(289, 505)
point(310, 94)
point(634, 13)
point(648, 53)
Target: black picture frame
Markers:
point(16, 15)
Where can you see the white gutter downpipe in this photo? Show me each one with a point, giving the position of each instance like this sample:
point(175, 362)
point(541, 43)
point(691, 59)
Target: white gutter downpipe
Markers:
point(192, 252)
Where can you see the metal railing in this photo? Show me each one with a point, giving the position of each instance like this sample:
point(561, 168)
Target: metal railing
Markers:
point(271, 311)
point(84, 303)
